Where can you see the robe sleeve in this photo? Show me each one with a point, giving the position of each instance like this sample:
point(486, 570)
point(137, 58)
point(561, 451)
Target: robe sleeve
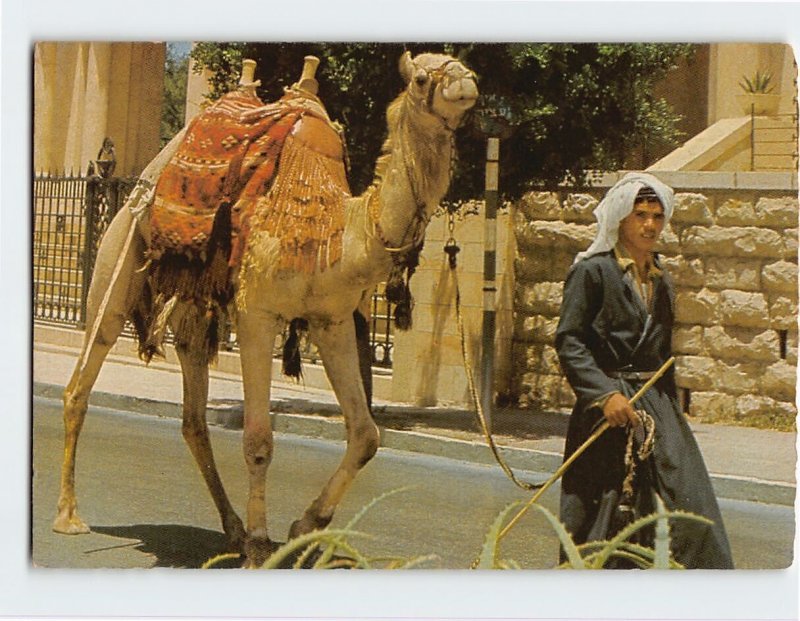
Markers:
point(580, 306)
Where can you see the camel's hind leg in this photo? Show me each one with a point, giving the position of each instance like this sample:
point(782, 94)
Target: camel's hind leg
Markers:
point(193, 355)
point(337, 347)
point(115, 287)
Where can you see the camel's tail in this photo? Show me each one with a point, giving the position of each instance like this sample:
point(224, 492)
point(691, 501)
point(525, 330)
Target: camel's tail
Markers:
point(292, 364)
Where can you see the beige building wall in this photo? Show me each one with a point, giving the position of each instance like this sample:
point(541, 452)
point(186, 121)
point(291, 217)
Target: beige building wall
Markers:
point(86, 91)
point(730, 63)
point(428, 367)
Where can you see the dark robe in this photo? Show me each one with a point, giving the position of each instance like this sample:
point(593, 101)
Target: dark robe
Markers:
point(605, 328)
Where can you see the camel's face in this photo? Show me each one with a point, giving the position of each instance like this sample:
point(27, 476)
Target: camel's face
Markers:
point(442, 83)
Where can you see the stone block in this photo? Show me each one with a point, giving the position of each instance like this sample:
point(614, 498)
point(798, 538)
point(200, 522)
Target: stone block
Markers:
point(540, 206)
point(731, 273)
point(695, 372)
point(765, 410)
point(549, 391)
point(780, 381)
point(734, 241)
point(791, 347)
point(539, 358)
point(783, 312)
point(737, 379)
point(539, 235)
point(697, 307)
point(691, 208)
point(712, 405)
point(777, 212)
point(790, 245)
point(731, 343)
point(735, 212)
point(536, 329)
point(579, 208)
point(542, 265)
point(687, 340)
point(685, 272)
point(780, 276)
point(668, 243)
point(543, 298)
point(747, 310)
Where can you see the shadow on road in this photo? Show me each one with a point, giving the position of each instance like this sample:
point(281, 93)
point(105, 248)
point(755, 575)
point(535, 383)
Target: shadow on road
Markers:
point(172, 545)
point(182, 547)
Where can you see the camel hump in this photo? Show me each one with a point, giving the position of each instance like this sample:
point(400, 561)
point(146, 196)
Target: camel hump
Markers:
point(318, 135)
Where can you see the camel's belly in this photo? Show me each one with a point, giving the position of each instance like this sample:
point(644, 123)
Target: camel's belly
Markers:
point(326, 297)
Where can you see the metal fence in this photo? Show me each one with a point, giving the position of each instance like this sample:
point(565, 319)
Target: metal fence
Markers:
point(773, 142)
point(70, 215)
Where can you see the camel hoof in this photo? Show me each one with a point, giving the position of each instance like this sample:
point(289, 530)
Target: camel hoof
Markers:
point(257, 550)
point(306, 525)
point(70, 525)
point(236, 536)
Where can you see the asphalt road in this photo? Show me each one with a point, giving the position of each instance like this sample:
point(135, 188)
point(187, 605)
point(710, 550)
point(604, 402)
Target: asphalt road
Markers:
point(142, 495)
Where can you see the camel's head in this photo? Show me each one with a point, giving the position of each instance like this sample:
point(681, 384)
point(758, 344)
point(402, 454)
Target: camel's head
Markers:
point(441, 83)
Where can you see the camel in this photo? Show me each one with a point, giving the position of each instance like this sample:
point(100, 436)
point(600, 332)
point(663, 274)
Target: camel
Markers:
point(381, 235)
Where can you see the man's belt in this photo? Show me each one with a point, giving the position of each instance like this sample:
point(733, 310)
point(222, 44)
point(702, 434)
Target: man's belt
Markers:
point(641, 376)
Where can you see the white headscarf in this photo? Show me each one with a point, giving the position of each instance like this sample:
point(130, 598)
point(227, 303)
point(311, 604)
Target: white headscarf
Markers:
point(618, 203)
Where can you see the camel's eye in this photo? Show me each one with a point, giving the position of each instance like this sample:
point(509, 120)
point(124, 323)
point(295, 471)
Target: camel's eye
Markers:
point(421, 78)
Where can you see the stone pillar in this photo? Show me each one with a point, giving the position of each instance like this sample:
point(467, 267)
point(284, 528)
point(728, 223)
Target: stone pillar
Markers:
point(73, 151)
point(45, 77)
point(151, 96)
point(95, 116)
point(84, 92)
point(119, 102)
point(197, 87)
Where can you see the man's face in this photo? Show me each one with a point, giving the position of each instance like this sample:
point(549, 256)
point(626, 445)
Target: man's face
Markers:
point(639, 231)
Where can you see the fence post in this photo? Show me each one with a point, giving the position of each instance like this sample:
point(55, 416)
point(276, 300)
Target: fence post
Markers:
point(88, 244)
point(752, 136)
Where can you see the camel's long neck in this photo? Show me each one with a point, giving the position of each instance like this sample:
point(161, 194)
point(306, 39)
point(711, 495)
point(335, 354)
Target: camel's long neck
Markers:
point(413, 175)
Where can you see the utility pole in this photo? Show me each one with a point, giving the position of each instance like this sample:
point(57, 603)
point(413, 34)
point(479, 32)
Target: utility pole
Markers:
point(489, 278)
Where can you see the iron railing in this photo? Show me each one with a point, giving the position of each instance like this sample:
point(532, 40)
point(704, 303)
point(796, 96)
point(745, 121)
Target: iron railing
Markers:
point(70, 215)
point(773, 142)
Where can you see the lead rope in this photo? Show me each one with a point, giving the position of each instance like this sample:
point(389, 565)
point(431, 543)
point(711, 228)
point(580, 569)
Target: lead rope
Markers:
point(452, 249)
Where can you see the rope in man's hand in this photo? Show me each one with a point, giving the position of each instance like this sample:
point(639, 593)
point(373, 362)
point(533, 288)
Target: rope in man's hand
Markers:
point(579, 451)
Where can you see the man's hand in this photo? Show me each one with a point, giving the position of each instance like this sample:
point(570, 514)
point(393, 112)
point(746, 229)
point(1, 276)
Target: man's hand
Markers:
point(618, 412)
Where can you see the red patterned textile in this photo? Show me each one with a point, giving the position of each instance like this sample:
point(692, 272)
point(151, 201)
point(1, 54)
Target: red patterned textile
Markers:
point(229, 154)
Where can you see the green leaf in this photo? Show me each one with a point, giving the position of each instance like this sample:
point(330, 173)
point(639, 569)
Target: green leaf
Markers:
point(570, 549)
point(488, 555)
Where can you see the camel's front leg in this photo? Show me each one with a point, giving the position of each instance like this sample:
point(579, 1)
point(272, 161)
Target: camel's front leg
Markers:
point(116, 285)
point(257, 332)
point(337, 347)
point(193, 355)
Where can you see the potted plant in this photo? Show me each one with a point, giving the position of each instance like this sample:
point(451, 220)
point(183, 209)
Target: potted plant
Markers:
point(758, 97)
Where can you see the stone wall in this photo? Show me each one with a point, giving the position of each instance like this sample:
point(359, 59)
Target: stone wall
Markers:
point(732, 251)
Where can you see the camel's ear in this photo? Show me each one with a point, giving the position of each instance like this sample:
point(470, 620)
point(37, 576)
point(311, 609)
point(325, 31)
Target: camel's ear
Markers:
point(406, 67)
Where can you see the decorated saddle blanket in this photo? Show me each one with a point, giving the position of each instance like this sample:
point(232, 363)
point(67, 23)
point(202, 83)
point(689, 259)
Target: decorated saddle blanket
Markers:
point(233, 160)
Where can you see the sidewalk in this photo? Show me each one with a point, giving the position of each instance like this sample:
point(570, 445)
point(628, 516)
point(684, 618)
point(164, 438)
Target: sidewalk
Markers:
point(745, 464)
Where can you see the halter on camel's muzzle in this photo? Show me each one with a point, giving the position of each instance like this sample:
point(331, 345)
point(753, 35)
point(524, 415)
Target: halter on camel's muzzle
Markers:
point(436, 77)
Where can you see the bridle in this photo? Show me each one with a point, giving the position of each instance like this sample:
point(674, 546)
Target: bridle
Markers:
point(436, 76)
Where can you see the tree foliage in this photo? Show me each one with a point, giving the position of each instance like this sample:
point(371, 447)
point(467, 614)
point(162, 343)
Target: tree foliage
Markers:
point(176, 70)
point(563, 109)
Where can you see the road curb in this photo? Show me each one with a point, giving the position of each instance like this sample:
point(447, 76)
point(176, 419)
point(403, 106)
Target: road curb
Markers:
point(322, 421)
